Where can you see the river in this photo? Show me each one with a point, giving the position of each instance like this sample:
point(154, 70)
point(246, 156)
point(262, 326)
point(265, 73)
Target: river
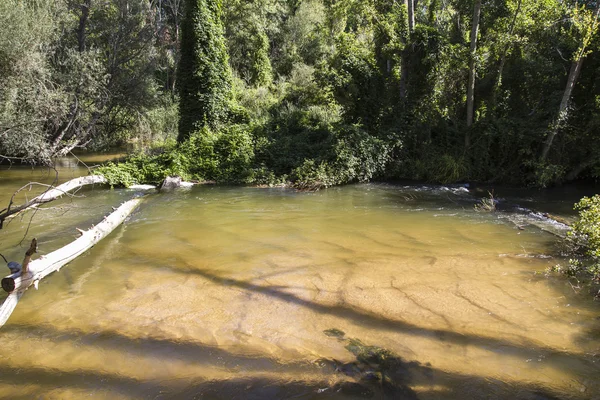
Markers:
point(362, 291)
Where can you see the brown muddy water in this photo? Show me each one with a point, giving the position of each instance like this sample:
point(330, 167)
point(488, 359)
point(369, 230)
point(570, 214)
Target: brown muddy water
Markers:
point(243, 293)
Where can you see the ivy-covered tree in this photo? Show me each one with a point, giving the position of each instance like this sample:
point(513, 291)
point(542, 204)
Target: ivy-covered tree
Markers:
point(204, 77)
point(246, 29)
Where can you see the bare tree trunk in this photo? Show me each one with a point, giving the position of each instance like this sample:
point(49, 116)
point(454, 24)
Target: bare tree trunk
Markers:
point(471, 83)
point(404, 57)
point(403, 74)
point(83, 18)
point(411, 15)
point(563, 109)
point(504, 53)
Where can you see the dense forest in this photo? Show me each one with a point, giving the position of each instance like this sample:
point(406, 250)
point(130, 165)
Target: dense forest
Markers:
point(315, 92)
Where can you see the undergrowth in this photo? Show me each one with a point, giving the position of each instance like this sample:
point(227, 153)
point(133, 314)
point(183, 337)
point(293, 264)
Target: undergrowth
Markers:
point(583, 241)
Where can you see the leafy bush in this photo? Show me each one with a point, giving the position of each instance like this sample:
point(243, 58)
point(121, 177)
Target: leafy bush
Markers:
point(235, 154)
point(354, 157)
point(226, 156)
point(547, 174)
point(439, 168)
point(143, 168)
point(313, 176)
point(585, 236)
point(360, 157)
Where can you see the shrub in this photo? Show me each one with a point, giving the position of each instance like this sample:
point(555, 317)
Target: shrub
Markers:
point(313, 176)
point(235, 155)
point(585, 234)
point(583, 242)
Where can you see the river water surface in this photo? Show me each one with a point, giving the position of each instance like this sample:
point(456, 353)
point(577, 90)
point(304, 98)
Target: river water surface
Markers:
point(363, 291)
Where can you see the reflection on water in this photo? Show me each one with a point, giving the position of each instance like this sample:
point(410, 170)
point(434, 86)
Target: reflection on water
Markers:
point(233, 293)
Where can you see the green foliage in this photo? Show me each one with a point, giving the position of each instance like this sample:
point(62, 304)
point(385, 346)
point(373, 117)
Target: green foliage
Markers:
point(547, 174)
point(301, 39)
point(123, 174)
point(204, 77)
point(29, 97)
point(321, 92)
point(355, 80)
point(311, 176)
point(585, 238)
point(435, 167)
point(226, 156)
point(246, 24)
point(69, 80)
point(159, 124)
point(142, 168)
point(355, 157)
point(233, 154)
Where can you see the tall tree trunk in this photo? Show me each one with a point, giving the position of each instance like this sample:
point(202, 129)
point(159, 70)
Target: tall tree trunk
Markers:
point(410, 4)
point(177, 52)
point(411, 15)
point(471, 83)
point(403, 74)
point(563, 109)
point(504, 53)
point(83, 18)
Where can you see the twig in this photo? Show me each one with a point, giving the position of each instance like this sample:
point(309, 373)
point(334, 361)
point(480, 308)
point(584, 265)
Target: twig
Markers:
point(51, 193)
point(79, 160)
point(28, 254)
point(36, 209)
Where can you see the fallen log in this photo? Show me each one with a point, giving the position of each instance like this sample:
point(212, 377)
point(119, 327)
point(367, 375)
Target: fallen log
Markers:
point(8, 306)
point(50, 194)
point(32, 272)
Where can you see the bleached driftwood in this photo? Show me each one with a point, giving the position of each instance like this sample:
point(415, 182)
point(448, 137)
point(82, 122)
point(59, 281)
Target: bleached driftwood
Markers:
point(8, 306)
point(31, 274)
point(51, 194)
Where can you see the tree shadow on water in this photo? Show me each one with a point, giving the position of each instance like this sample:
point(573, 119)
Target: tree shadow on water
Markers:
point(374, 372)
point(522, 347)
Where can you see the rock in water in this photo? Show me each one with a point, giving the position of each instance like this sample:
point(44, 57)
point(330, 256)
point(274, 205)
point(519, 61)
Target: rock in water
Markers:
point(171, 182)
point(14, 267)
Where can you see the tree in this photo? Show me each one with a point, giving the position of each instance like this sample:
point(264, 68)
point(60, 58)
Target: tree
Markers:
point(115, 41)
point(586, 21)
point(168, 28)
point(32, 104)
point(505, 52)
point(410, 5)
point(248, 42)
point(204, 77)
point(472, 70)
point(85, 74)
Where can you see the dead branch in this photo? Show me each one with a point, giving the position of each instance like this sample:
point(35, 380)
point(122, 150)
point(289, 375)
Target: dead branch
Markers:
point(51, 194)
point(28, 254)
